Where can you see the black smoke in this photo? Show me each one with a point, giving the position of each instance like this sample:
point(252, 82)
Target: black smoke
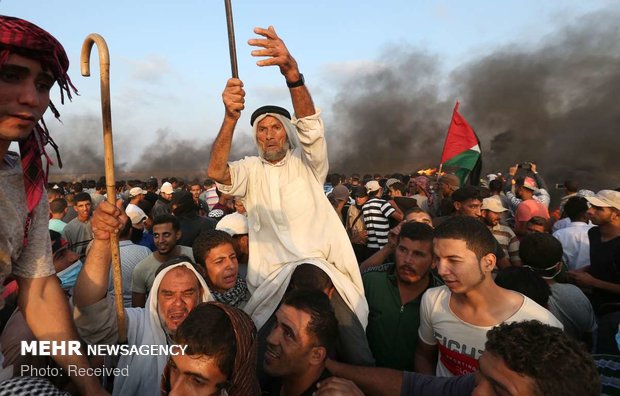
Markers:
point(555, 104)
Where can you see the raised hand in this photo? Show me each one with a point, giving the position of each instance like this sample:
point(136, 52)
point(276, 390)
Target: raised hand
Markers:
point(276, 52)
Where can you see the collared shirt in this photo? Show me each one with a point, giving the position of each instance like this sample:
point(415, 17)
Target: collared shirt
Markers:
point(392, 330)
point(575, 244)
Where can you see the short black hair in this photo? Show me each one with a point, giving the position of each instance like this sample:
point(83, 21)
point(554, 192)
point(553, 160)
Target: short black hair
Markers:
point(208, 331)
point(476, 235)
point(167, 218)
point(58, 205)
point(571, 186)
point(399, 186)
point(557, 364)
point(525, 281)
point(207, 240)
point(575, 208)
point(466, 193)
point(496, 185)
point(81, 197)
point(416, 232)
point(540, 251)
point(538, 220)
point(323, 323)
point(309, 276)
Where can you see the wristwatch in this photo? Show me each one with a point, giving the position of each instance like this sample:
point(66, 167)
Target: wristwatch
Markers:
point(297, 83)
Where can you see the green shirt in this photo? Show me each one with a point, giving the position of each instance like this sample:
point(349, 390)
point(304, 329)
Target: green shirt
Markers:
point(392, 330)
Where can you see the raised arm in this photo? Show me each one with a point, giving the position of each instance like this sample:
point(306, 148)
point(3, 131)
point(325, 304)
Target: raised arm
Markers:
point(234, 102)
point(278, 55)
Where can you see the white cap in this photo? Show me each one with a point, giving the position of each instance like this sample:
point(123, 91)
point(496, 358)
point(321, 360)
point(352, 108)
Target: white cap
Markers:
point(372, 185)
point(166, 188)
point(233, 224)
point(134, 192)
point(606, 199)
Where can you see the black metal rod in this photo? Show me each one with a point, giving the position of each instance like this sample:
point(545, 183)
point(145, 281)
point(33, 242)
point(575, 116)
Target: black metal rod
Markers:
point(231, 40)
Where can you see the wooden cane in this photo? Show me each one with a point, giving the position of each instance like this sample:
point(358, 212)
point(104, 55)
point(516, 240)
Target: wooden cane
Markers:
point(231, 39)
point(108, 148)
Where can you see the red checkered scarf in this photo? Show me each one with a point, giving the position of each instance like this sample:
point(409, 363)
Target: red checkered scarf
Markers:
point(26, 39)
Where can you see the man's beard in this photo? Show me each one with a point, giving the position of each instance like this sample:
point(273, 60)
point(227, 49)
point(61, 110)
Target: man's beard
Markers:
point(277, 155)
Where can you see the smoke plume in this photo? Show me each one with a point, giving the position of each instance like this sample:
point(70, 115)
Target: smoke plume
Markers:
point(555, 105)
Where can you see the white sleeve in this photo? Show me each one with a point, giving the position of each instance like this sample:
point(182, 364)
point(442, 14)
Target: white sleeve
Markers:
point(311, 133)
point(425, 331)
point(239, 173)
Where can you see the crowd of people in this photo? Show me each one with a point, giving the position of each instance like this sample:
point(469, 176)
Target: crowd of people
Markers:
point(278, 278)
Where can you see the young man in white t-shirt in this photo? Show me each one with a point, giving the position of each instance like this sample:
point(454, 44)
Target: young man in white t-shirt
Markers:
point(455, 318)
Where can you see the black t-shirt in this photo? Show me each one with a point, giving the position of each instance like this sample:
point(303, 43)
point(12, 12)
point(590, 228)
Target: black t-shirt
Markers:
point(604, 265)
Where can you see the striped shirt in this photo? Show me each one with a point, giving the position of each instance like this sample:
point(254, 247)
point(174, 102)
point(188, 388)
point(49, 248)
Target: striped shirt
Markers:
point(508, 241)
point(376, 217)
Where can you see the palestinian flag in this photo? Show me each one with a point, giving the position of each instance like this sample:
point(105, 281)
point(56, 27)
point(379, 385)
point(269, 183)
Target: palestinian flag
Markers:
point(461, 151)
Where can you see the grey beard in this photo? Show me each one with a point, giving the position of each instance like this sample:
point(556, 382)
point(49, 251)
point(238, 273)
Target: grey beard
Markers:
point(277, 155)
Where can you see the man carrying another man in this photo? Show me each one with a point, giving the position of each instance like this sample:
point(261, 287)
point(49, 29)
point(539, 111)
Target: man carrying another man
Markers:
point(282, 188)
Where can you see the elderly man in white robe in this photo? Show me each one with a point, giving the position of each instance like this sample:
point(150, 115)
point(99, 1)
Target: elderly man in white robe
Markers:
point(290, 219)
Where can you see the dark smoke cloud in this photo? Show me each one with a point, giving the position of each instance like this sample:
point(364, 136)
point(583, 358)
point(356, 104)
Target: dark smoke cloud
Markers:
point(556, 104)
point(170, 156)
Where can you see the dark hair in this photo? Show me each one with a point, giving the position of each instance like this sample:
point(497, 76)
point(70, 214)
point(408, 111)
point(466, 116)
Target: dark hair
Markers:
point(323, 323)
point(571, 186)
point(167, 218)
point(77, 188)
point(334, 179)
point(309, 276)
point(207, 240)
point(575, 208)
point(496, 185)
point(100, 184)
point(183, 203)
point(476, 235)
point(416, 232)
point(538, 220)
point(416, 209)
point(126, 231)
point(58, 205)
point(525, 281)
point(399, 186)
point(539, 251)
point(466, 193)
point(81, 197)
point(208, 331)
point(557, 364)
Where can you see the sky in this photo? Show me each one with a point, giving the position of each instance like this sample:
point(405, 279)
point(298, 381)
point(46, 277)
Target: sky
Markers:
point(169, 60)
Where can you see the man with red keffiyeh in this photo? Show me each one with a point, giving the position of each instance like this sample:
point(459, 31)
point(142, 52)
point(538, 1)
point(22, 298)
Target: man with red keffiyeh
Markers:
point(31, 61)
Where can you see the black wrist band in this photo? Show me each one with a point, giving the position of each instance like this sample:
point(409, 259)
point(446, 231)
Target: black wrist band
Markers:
point(297, 83)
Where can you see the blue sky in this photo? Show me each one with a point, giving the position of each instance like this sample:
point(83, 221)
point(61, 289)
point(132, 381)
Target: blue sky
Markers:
point(169, 60)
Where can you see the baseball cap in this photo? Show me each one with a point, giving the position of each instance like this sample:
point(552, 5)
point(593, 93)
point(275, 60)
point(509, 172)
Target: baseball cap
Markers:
point(391, 181)
point(340, 193)
point(530, 183)
point(233, 224)
point(493, 204)
point(166, 188)
point(606, 199)
point(372, 185)
point(134, 192)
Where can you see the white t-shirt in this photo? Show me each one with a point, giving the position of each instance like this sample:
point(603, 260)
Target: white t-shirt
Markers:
point(461, 343)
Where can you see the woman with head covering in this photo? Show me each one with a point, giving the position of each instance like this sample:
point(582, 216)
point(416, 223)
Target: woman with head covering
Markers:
point(220, 354)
